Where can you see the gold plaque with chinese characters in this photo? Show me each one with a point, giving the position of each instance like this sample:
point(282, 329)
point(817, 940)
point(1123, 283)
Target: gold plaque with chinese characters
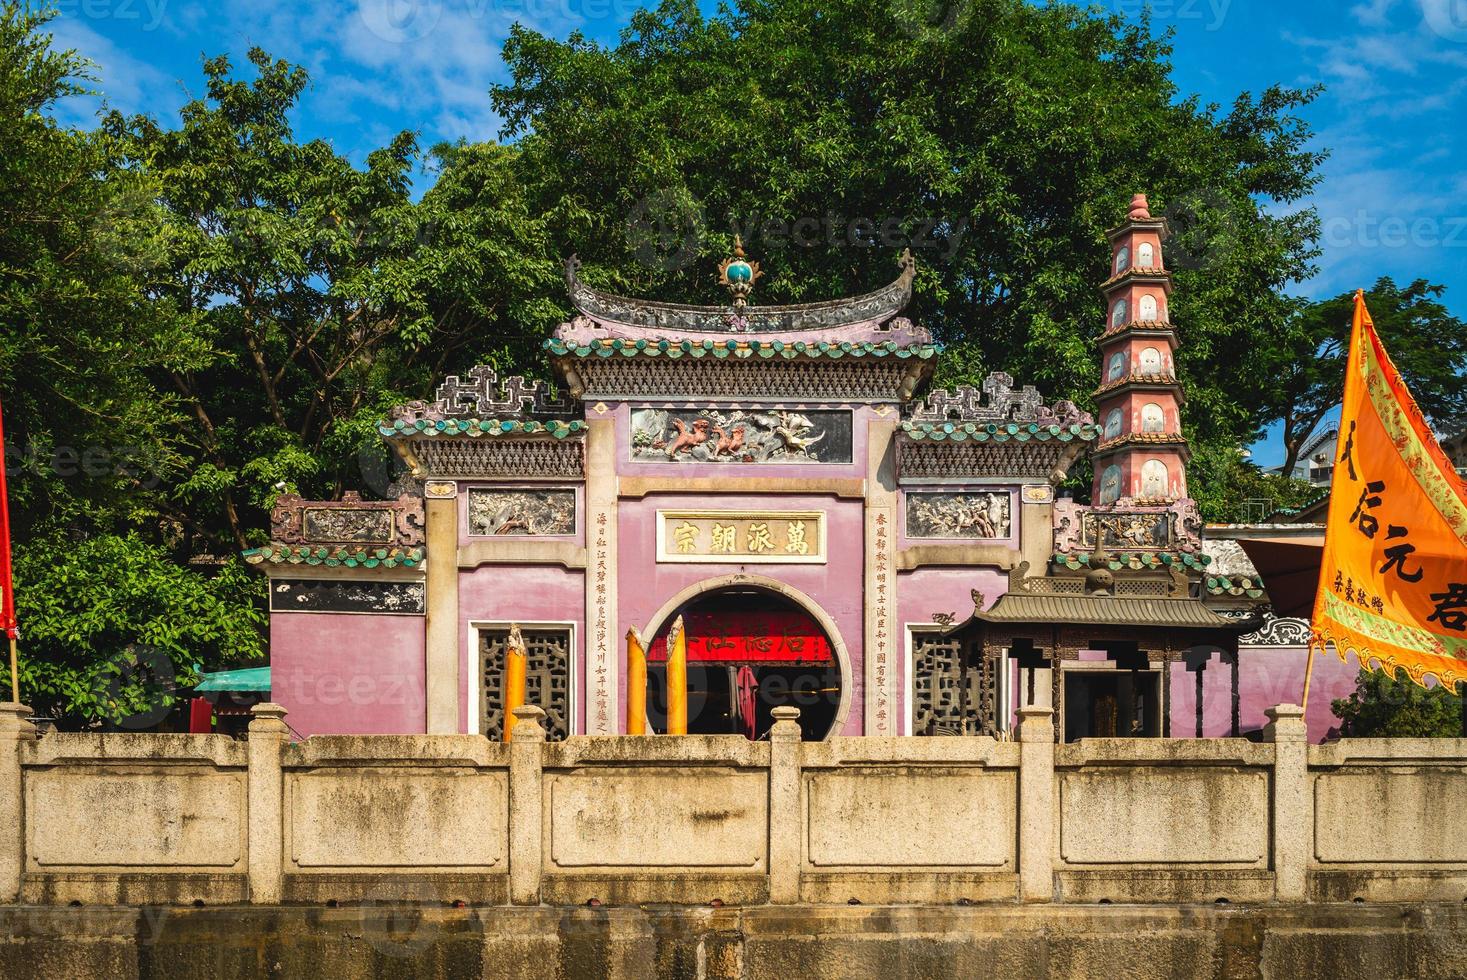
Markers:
point(740, 537)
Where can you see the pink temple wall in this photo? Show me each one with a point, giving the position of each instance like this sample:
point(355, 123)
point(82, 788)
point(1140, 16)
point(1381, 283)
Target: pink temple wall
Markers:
point(523, 594)
point(937, 589)
point(348, 674)
point(1266, 676)
point(645, 585)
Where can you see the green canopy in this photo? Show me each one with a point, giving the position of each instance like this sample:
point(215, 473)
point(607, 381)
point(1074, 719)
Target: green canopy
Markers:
point(249, 679)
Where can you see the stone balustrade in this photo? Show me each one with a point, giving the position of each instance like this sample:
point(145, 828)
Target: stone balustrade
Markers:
point(143, 819)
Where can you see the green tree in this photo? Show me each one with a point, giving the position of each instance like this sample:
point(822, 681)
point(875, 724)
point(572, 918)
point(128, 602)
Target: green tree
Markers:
point(1426, 342)
point(115, 627)
point(1231, 489)
point(80, 334)
point(1397, 707)
point(328, 293)
point(112, 619)
point(999, 143)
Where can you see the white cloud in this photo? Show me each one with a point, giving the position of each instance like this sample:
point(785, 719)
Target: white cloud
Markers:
point(1373, 13)
point(124, 82)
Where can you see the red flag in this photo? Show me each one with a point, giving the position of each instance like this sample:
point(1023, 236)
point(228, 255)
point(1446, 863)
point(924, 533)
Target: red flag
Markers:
point(7, 587)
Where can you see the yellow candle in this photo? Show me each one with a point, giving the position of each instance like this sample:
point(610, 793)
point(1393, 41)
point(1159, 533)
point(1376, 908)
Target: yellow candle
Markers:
point(677, 679)
point(636, 684)
point(514, 678)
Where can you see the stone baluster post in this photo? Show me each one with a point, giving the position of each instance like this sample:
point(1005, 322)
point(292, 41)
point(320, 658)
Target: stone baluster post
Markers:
point(267, 738)
point(526, 795)
point(1036, 804)
point(15, 729)
point(1293, 804)
point(785, 819)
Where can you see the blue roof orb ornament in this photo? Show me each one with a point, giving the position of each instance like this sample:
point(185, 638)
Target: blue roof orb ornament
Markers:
point(738, 274)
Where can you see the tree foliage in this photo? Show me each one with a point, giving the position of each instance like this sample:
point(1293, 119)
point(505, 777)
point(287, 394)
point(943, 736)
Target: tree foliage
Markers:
point(1426, 343)
point(1000, 143)
point(115, 627)
point(1383, 706)
point(1230, 489)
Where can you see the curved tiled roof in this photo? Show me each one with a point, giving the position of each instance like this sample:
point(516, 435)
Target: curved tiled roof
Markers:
point(670, 348)
point(400, 428)
point(345, 556)
point(998, 431)
point(1144, 273)
point(855, 312)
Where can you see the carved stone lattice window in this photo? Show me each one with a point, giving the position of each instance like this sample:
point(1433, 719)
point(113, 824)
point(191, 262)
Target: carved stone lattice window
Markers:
point(946, 700)
point(547, 678)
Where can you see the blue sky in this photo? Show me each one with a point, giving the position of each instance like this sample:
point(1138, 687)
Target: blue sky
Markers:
point(1394, 113)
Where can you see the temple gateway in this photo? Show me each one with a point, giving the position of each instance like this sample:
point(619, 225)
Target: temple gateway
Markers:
point(834, 536)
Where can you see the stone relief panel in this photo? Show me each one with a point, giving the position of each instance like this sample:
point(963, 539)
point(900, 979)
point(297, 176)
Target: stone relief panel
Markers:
point(533, 511)
point(350, 520)
point(977, 515)
point(348, 525)
point(996, 401)
point(1127, 531)
point(1078, 528)
point(741, 436)
point(347, 596)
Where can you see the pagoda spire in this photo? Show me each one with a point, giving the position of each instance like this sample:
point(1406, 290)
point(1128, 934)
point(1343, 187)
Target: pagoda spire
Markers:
point(1142, 455)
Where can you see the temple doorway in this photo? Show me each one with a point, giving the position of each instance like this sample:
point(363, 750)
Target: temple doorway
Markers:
point(750, 650)
point(1112, 704)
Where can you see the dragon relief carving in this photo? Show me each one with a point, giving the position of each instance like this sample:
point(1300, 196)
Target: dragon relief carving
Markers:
point(740, 436)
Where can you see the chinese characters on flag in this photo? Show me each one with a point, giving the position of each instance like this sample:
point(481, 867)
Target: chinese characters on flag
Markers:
point(1393, 578)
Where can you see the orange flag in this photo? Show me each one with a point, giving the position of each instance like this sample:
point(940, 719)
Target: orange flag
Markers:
point(1393, 578)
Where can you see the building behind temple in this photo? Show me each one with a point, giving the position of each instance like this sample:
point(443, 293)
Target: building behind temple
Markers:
point(889, 559)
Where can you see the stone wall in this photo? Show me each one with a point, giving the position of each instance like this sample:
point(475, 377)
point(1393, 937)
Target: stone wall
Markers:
point(137, 819)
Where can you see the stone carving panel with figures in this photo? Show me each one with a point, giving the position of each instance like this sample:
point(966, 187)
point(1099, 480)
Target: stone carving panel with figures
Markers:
point(976, 515)
point(506, 511)
point(1002, 404)
point(350, 520)
point(736, 435)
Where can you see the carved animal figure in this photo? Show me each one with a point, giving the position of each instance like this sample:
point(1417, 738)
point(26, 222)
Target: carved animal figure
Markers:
point(731, 442)
point(688, 438)
point(794, 429)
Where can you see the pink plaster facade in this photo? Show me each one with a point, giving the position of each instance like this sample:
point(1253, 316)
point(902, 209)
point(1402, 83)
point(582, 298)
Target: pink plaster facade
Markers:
point(498, 595)
point(348, 674)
